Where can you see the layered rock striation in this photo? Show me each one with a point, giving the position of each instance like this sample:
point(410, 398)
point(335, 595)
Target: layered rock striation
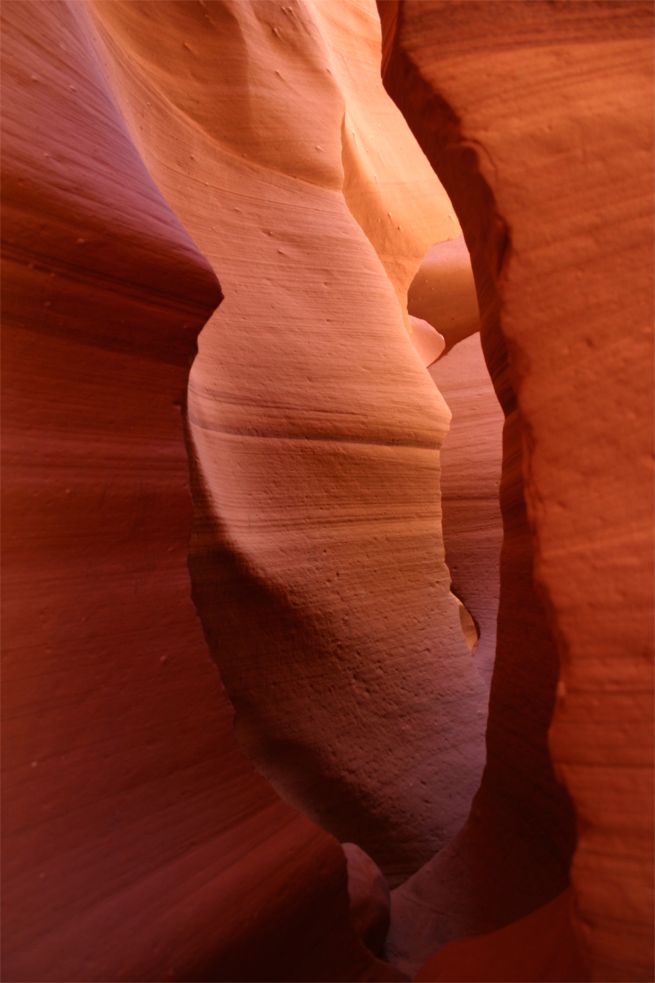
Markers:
point(227, 264)
point(317, 555)
point(538, 119)
point(138, 842)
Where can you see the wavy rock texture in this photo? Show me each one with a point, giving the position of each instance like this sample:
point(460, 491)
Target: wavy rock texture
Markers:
point(538, 119)
point(153, 149)
point(138, 842)
point(317, 558)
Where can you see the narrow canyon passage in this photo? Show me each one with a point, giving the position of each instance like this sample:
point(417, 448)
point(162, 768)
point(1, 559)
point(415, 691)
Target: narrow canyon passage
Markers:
point(471, 461)
point(317, 557)
point(326, 434)
point(443, 295)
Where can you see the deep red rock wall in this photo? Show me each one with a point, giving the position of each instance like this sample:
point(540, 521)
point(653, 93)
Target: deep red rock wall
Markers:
point(538, 119)
point(138, 843)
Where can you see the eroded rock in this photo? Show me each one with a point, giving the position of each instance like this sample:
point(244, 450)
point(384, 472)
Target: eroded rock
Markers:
point(138, 843)
point(536, 118)
point(317, 557)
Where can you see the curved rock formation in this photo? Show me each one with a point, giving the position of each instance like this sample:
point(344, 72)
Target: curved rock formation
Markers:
point(317, 558)
point(470, 481)
point(443, 291)
point(138, 843)
point(539, 947)
point(538, 121)
point(153, 149)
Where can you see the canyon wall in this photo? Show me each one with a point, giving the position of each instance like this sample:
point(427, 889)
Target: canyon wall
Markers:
point(138, 843)
point(220, 239)
point(538, 119)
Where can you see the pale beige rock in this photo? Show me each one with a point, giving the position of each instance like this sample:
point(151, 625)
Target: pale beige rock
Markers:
point(317, 557)
point(443, 291)
point(428, 344)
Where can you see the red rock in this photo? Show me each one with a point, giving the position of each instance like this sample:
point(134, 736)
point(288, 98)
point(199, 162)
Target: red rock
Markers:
point(138, 842)
point(539, 947)
point(538, 119)
point(369, 898)
point(470, 480)
point(151, 150)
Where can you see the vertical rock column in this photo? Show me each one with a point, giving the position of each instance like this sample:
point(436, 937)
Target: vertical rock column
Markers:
point(538, 119)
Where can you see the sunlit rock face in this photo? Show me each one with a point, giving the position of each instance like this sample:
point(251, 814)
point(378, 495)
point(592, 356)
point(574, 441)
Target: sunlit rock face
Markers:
point(523, 111)
point(317, 557)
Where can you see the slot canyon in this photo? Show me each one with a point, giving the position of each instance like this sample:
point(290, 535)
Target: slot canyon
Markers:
point(327, 544)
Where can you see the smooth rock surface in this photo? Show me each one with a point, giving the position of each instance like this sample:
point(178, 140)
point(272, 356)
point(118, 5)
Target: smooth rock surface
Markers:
point(317, 557)
point(443, 291)
point(539, 947)
point(138, 843)
point(470, 485)
point(539, 120)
